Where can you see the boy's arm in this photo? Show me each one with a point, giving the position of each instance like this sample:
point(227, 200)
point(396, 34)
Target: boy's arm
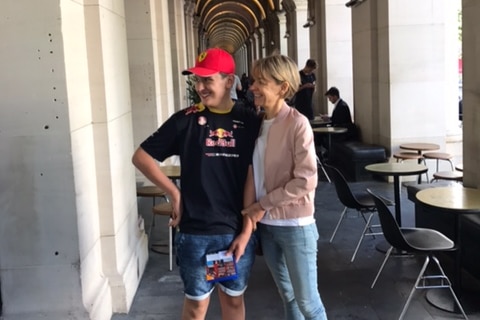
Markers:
point(150, 169)
point(239, 244)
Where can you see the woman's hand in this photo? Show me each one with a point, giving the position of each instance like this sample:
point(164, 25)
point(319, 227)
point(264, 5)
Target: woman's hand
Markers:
point(254, 212)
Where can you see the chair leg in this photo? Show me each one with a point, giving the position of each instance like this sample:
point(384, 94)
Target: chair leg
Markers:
point(420, 276)
point(387, 255)
point(170, 246)
point(320, 164)
point(450, 287)
point(150, 229)
point(367, 225)
point(338, 224)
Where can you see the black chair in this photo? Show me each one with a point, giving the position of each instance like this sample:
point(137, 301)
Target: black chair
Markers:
point(322, 166)
point(417, 241)
point(360, 201)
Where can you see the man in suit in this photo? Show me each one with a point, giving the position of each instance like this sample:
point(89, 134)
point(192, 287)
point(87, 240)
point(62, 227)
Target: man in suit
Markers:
point(341, 116)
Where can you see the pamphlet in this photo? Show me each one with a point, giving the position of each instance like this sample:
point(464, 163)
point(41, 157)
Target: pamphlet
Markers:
point(220, 267)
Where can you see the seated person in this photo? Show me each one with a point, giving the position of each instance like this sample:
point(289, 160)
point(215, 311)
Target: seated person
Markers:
point(341, 112)
point(341, 117)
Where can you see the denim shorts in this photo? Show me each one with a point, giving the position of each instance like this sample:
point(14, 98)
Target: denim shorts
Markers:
point(191, 251)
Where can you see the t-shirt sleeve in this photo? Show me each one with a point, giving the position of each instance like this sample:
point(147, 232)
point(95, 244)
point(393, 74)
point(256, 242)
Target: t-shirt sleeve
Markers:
point(163, 143)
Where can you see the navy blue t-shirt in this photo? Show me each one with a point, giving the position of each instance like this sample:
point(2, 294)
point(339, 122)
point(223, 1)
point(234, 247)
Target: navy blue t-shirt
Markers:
point(215, 151)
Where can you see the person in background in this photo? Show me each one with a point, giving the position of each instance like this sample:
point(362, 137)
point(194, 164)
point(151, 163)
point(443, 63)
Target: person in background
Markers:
point(237, 87)
point(245, 82)
point(341, 117)
point(282, 184)
point(215, 141)
point(341, 112)
point(303, 99)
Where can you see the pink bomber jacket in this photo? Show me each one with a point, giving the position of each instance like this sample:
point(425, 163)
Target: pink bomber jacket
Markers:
point(290, 167)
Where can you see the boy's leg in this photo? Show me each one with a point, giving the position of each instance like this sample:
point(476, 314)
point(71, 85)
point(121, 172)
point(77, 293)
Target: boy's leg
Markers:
point(233, 308)
point(195, 310)
point(191, 251)
point(231, 292)
point(191, 258)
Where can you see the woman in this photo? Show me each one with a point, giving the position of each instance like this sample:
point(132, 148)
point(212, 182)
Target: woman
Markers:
point(281, 188)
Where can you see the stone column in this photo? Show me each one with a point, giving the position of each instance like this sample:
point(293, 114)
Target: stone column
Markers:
point(302, 33)
point(191, 30)
point(471, 93)
point(162, 58)
point(256, 46)
point(70, 241)
point(282, 19)
point(291, 31)
point(179, 53)
point(262, 42)
point(400, 71)
point(338, 20)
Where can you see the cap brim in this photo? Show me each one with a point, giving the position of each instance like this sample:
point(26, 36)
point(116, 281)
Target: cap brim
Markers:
point(202, 72)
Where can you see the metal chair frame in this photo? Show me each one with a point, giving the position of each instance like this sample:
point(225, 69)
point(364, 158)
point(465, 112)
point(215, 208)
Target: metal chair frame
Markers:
point(416, 241)
point(362, 202)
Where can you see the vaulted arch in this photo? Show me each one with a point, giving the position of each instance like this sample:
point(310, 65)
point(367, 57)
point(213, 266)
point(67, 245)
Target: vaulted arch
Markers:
point(228, 24)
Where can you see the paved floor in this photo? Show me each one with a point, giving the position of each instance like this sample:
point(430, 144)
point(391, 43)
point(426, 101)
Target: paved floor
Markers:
point(344, 286)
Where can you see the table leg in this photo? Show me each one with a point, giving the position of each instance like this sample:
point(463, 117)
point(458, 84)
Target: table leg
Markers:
point(419, 161)
point(330, 151)
point(396, 190)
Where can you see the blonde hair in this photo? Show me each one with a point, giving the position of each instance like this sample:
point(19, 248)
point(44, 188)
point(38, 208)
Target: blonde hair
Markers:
point(281, 69)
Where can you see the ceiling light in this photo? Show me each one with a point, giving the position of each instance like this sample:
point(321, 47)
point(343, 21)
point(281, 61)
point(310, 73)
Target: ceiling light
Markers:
point(309, 23)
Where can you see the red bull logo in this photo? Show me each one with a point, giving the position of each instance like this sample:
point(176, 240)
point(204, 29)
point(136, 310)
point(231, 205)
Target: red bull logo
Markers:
point(224, 138)
point(220, 133)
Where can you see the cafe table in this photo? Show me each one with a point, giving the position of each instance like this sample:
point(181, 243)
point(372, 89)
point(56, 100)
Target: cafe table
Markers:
point(329, 131)
point(420, 147)
point(455, 200)
point(319, 122)
point(397, 169)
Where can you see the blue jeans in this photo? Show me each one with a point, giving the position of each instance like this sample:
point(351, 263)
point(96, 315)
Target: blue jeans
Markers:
point(291, 256)
point(191, 258)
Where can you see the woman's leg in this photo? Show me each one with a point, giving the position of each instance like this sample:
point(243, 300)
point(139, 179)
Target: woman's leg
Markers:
point(275, 261)
point(297, 247)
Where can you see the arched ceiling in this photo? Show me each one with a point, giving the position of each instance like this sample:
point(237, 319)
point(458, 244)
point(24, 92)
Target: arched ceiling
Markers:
point(229, 23)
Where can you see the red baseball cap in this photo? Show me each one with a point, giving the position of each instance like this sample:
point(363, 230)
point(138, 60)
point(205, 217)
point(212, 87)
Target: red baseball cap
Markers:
point(212, 61)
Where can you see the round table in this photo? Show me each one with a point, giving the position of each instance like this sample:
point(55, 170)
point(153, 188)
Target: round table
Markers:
point(173, 172)
point(396, 170)
point(329, 131)
point(319, 122)
point(456, 200)
point(150, 192)
point(419, 147)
